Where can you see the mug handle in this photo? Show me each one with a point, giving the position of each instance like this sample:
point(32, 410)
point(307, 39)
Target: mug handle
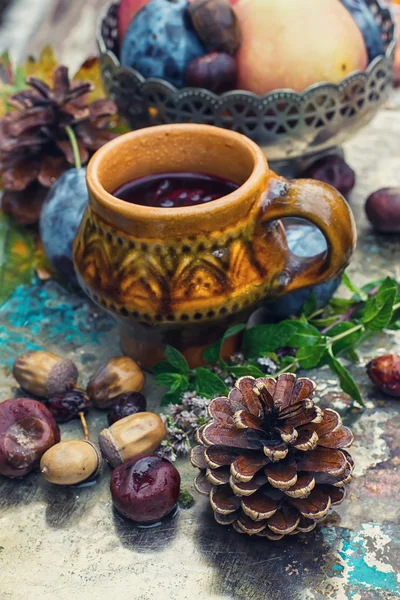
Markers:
point(325, 207)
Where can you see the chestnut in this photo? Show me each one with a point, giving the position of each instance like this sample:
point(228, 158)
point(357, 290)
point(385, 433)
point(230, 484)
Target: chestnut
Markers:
point(128, 403)
point(383, 210)
point(384, 372)
point(27, 430)
point(119, 374)
point(216, 72)
point(145, 488)
point(335, 171)
point(216, 24)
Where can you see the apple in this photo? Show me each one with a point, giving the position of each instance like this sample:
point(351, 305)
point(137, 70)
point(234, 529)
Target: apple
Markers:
point(296, 43)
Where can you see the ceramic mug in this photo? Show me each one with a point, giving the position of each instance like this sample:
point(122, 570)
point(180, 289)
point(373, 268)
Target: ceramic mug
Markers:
point(182, 275)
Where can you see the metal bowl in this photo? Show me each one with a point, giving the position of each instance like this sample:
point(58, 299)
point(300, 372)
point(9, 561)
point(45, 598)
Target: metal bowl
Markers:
point(289, 126)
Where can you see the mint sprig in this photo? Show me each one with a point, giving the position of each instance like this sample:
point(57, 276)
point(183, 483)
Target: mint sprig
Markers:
point(318, 337)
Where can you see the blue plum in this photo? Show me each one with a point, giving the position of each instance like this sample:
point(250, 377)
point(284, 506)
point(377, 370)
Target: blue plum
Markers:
point(304, 241)
point(161, 41)
point(367, 25)
point(60, 218)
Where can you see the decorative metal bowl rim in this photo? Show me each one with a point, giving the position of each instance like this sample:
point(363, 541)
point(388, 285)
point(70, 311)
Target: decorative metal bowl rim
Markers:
point(387, 56)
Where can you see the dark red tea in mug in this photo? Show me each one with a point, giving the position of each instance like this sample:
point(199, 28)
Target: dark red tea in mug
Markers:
point(172, 190)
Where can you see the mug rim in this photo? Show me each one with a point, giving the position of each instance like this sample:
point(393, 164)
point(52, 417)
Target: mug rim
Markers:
point(112, 204)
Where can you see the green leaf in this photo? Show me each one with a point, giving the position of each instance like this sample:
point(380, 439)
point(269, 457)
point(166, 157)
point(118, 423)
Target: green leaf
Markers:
point(351, 354)
point(171, 398)
point(17, 257)
point(347, 383)
point(322, 323)
point(310, 356)
point(310, 305)
point(208, 384)
point(212, 353)
point(353, 288)
point(305, 335)
point(261, 339)
point(171, 380)
point(346, 342)
point(177, 360)
point(163, 367)
point(378, 310)
point(340, 306)
point(246, 370)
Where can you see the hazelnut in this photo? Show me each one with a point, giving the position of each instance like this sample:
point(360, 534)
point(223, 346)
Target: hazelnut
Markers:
point(145, 488)
point(126, 404)
point(136, 434)
point(27, 430)
point(383, 210)
point(216, 24)
point(44, 374)
point(384, 372)
point(117, 375)
point(72, 462)
point(216, 72)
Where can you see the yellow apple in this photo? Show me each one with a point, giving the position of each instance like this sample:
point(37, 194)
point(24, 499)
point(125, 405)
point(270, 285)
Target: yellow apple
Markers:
point(296, 43)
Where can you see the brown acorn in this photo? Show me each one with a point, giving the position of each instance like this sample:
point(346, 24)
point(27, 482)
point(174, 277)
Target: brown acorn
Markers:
point(216, 24)
point(119, 374)
point(271, 461)
point(71, 462)
point(44, 374)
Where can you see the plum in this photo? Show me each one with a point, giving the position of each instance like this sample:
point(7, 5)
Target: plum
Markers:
point(304, 241)
point(366, 23)
point(60, 218)
point(161, 41)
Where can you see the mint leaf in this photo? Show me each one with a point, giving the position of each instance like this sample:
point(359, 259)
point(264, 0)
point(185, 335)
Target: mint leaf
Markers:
point(261, 339)
point(310, 305)
point(340, 306)
point(213, 352)
point(208, 384)
point(177, 360)
point(171, 398)
point(310, 356)
point(163, 367)
point(347, 383)
point(326, 322)
point(305, 335)
point(362, 295)
point(346, 342)
point(172, 380)
point(243, 370)
point(378, 310)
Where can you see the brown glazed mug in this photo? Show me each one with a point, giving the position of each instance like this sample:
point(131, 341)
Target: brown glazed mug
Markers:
point(180, 276)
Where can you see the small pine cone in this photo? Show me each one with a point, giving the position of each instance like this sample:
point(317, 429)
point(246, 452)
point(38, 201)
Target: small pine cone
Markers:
point(271, 461)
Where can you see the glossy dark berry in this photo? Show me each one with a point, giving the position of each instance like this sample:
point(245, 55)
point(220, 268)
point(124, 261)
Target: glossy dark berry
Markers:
point(216, 72)
point(128, 403)
point(65, 407)
point(145, 488)
point(335, 171)
point(383, 210)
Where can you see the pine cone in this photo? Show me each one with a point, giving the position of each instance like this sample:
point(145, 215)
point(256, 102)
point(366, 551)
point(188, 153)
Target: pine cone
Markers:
point(271, 461)
point(33, 142)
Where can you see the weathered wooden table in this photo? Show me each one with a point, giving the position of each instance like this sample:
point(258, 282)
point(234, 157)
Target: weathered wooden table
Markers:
point(68, 543)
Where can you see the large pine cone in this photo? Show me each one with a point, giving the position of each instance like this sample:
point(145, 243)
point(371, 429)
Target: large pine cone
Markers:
point(271, 461)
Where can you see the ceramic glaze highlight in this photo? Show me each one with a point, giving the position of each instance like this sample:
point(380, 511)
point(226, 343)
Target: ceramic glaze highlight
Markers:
point(181, 275)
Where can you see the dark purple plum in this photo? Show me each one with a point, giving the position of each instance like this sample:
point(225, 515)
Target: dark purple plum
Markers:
point(60, 218)
point(67, 406)
point(145, 488)
point(123, 405)
point(161, 41)
point(333, 169)
point(366, 23)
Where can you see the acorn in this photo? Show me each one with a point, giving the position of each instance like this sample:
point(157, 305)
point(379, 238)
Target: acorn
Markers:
point(72, 462)
point(141, 433)
point(44, 374)
point(117, 375)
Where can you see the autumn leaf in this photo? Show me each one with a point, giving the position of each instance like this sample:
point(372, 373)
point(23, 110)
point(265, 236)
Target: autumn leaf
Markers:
point(43, 67)
point(17, 257)
point(90, 71)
